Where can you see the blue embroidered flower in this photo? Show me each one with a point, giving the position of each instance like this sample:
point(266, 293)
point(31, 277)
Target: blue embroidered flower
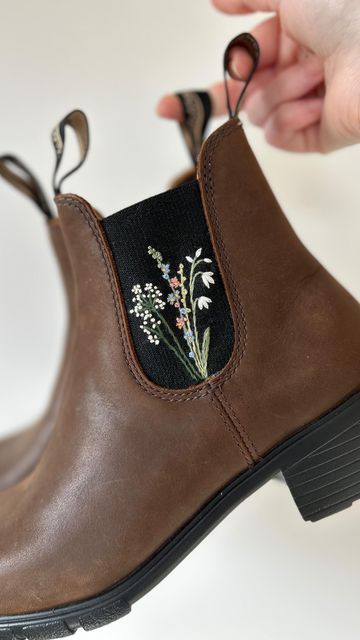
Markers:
point(183, 311)
point(165, 268)
point(189, 336)
point(173, 298)
point(191, 354)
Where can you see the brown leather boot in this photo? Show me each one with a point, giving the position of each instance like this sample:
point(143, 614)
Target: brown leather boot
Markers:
point(20, 453)
point(212, 351)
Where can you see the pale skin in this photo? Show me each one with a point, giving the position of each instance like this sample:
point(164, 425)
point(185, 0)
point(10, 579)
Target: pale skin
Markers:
point(306, 92)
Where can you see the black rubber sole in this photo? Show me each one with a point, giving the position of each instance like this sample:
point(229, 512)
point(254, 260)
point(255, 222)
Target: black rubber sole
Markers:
point(321, 466)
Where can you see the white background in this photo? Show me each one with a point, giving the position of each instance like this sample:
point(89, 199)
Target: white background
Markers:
point(263, 574)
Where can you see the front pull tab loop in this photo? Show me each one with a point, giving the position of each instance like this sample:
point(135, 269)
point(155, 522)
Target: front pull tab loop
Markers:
point(16, 173)
point(77, 121)
point(197, 109)
point(250, 44)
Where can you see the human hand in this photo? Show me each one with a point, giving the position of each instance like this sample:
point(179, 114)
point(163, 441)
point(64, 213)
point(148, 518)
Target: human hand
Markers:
point(306, 92)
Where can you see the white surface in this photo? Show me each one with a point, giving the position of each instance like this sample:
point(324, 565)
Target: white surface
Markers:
point(263, 574)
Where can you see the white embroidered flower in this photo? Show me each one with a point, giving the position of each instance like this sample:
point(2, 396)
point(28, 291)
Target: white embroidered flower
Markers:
point(204, 302)
point(207, 260)
point(136, 289)
point(146, 302)
point(207, 278)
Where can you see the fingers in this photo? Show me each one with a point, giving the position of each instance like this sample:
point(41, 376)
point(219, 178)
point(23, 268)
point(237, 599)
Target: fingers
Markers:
point(218, 94)
point(267, 33)
point(170, 107)
point(291, 84)
point(295, 126)
point(245, 6)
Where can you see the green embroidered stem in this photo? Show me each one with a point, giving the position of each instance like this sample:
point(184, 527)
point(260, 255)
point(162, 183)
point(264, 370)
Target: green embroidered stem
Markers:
point(193, 306)
point(193, 373)
point(189, 328)
point(181, 354)
point(193, 276)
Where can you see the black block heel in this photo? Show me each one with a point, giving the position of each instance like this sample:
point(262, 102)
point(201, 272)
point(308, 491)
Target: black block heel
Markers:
point(328, 479)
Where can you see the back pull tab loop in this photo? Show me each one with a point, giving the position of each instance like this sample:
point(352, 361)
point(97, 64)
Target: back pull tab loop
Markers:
point(77, 121)
point(16, 173)
point(250, 44)
point(197, 109)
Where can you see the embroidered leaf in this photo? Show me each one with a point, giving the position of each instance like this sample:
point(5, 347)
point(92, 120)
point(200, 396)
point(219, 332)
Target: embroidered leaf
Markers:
point(198, 253)
point(205, 347)
point(189, 259)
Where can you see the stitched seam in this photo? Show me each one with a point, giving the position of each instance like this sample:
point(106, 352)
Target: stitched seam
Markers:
point(217, 379)
point(235, 429)
point(230, 428)
point(162, 394)
point(240, 319)
point(247, 441)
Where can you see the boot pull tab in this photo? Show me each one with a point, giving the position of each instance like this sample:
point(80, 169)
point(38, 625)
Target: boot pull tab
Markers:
point(16, 173)
point(197, 109)
point(78, 122)
point(250, 44)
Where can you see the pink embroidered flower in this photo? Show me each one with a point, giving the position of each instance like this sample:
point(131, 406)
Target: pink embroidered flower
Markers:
point(180, 322)
point(174, 282)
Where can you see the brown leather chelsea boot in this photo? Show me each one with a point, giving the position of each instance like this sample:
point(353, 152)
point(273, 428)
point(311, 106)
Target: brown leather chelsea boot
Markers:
point(212, 351)
point(20, 453)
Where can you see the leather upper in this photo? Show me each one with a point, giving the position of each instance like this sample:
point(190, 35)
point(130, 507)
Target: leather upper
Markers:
point(128, 462)
point(19, 453)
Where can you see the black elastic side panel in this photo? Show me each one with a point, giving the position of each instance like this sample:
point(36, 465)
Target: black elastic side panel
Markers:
point(177, 306)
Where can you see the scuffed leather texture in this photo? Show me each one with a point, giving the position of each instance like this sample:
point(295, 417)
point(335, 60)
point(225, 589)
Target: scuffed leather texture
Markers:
point(128, 462)
point(19, 453)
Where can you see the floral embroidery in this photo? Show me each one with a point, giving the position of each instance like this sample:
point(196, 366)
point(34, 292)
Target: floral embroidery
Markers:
point(174, 282)
point(149, 304)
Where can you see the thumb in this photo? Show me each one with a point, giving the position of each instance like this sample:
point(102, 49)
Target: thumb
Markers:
point(246, 6)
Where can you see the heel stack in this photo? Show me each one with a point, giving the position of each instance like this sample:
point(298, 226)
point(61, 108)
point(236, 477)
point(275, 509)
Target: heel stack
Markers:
point(328, 479)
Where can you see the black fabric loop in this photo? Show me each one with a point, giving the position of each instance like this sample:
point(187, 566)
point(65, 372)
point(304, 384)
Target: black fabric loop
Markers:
point(77, 121)
point(250, 44)
point(197, 111)
point(16, 173)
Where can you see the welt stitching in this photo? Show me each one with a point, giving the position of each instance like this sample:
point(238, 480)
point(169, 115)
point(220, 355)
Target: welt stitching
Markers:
point(164, 395)
point(248, 442)
point(228, 424)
